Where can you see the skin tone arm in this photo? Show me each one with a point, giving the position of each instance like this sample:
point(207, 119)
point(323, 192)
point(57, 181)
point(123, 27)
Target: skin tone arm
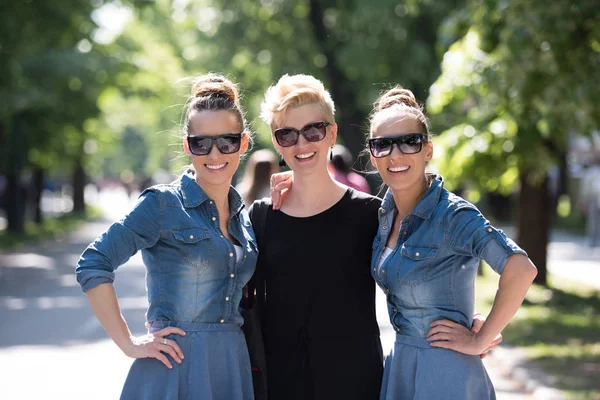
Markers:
point(512, 288)
point(105, 306)
point(281, 182)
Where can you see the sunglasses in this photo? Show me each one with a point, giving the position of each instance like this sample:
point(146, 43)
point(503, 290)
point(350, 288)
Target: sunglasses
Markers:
point(410, 143)
point(314, 132)
point(202, 145)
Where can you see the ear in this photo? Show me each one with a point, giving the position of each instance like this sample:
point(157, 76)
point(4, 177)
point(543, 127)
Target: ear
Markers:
point(334, 129)
point(186, 146)
point(245, 141)
point(428, 151)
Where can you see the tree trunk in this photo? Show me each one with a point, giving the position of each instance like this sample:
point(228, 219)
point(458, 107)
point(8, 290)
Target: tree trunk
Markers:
point(15, 193)
point(38, 188)
point(78, 187)
point(533, 225)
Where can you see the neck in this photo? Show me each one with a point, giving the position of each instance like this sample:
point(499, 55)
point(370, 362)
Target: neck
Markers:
point(314, 192)
point(406, 199)
point(217, 193)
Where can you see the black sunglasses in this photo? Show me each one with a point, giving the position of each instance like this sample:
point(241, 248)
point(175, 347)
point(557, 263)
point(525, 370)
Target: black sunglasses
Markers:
point(410, 143)
point(314, 132)
point(202, 145)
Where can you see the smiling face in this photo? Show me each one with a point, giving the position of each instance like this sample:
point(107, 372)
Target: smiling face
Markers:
point(401, 171)
point(306, 157)
point(215, 168)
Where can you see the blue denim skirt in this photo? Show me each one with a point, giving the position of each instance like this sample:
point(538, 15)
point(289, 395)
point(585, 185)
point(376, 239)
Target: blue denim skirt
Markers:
point(415, 370)
point(216, 366)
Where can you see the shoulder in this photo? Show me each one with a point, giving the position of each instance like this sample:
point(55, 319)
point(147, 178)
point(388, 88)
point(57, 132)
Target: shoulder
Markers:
point(169, 193)
point(454, 209)
point(367, 202)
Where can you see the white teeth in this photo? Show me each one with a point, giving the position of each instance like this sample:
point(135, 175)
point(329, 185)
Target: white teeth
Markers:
point(215, 166)
point(305, 155)
point(398, 169)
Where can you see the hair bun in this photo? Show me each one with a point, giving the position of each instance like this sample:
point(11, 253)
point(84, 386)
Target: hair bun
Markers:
point(397, 95)
point(215, 85)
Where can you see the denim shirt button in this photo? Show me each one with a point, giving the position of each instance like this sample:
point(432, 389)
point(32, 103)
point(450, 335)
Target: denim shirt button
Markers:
point(222, 321)
point(463, 266)
point(226, 298)
point(490, 230)
point(191, 236)
point(232, 276)
point(214, 218)
point(230, 254)
point(382, 211)
point(417, 254)
point(384, 227)
point(210, 202)
point(244, 256)
point(221, 236)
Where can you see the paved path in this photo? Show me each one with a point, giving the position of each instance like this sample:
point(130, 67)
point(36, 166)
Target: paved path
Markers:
point(52, 347)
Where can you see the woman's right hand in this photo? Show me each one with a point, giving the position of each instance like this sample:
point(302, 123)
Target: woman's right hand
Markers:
point(281, 182)
point(155, 345)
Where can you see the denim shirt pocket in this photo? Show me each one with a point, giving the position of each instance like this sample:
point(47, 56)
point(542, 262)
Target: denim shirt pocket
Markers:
point(195, 246)
point(417, 262)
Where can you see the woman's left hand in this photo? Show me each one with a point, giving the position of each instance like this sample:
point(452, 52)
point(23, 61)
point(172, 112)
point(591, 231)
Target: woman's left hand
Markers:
point(450, 335)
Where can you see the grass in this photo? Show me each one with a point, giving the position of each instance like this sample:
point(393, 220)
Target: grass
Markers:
point(48, 229)
point(559, 329)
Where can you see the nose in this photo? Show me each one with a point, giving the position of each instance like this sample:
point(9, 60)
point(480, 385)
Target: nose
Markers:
point(214, 151)
point(396, 153)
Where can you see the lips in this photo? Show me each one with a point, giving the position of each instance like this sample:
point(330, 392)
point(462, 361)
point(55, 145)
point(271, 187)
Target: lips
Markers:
point(403, 168)
point(305, 156)
point(215, 167)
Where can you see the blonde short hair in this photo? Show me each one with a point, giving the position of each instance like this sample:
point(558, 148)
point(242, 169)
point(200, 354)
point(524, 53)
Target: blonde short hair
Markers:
point(294, 91)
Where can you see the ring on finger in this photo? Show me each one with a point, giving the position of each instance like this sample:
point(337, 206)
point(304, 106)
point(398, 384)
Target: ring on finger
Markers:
point(164, 341)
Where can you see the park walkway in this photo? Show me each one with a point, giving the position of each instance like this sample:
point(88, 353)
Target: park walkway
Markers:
point(52, 347)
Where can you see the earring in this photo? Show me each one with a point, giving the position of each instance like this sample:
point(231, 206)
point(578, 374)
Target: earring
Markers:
point(331, 154)
point(282, 163)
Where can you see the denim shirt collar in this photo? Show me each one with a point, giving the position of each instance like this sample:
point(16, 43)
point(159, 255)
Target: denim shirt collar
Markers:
point(425, 207)
point(193, 195)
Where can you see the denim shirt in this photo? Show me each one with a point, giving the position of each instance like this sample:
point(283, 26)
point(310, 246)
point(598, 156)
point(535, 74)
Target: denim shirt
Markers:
point(191, 269)
point(430, 275)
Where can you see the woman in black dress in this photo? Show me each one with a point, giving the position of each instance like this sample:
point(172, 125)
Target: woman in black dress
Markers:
point(321, 333)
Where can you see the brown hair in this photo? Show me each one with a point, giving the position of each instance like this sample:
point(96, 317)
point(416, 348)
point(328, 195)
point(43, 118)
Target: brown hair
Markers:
point(398, 100)
point(214, 92)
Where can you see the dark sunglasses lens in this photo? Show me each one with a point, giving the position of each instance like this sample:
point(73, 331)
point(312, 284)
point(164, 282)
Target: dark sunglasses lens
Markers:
point(199, 146)
point(380, 147)
point(286, 137)
point(411, 144)
point(229, 144)
point(315, 133)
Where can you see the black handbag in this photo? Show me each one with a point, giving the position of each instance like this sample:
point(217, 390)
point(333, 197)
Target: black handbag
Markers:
point(252, 307)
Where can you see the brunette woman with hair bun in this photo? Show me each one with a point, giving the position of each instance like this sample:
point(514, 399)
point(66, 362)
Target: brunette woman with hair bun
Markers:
point(199, 251)
point(425, 257)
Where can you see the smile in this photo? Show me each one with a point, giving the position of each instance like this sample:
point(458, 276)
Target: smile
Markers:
point(398, 169)
point(215, 167)
point(305, 155)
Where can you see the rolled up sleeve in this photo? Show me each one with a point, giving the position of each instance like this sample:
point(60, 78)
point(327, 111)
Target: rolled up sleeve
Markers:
point(138, 230)
point(470, 233)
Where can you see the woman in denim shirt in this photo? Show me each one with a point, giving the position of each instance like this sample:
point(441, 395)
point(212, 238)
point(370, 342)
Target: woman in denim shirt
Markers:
point(199, 250)
point(425, 258)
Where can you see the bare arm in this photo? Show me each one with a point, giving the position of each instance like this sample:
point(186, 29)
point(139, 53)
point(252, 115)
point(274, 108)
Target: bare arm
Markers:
point(105, 305)
point(514, 283)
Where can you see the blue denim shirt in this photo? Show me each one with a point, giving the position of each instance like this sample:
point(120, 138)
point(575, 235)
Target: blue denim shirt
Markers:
point(191, 269)
point(430, 275)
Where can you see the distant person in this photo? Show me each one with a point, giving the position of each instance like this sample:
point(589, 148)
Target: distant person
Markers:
point(199, 252)
point(590, 199)
point(340, 168)
point(255, 182)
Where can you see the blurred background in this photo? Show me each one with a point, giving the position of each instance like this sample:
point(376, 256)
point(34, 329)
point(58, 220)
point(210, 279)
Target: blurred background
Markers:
point(92, 94)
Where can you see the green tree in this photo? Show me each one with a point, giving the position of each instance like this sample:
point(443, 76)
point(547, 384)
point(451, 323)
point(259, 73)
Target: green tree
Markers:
point(520, 80)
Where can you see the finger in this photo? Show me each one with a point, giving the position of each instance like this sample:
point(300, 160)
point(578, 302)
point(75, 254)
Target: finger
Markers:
point(438, 329)
point(444, 322)
point(163, 359)
point(170, 351)
point(275, 198)
point(443, 345)
point(170, 330)
point(176, 347)
point(440, 336)
point(477, 325)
